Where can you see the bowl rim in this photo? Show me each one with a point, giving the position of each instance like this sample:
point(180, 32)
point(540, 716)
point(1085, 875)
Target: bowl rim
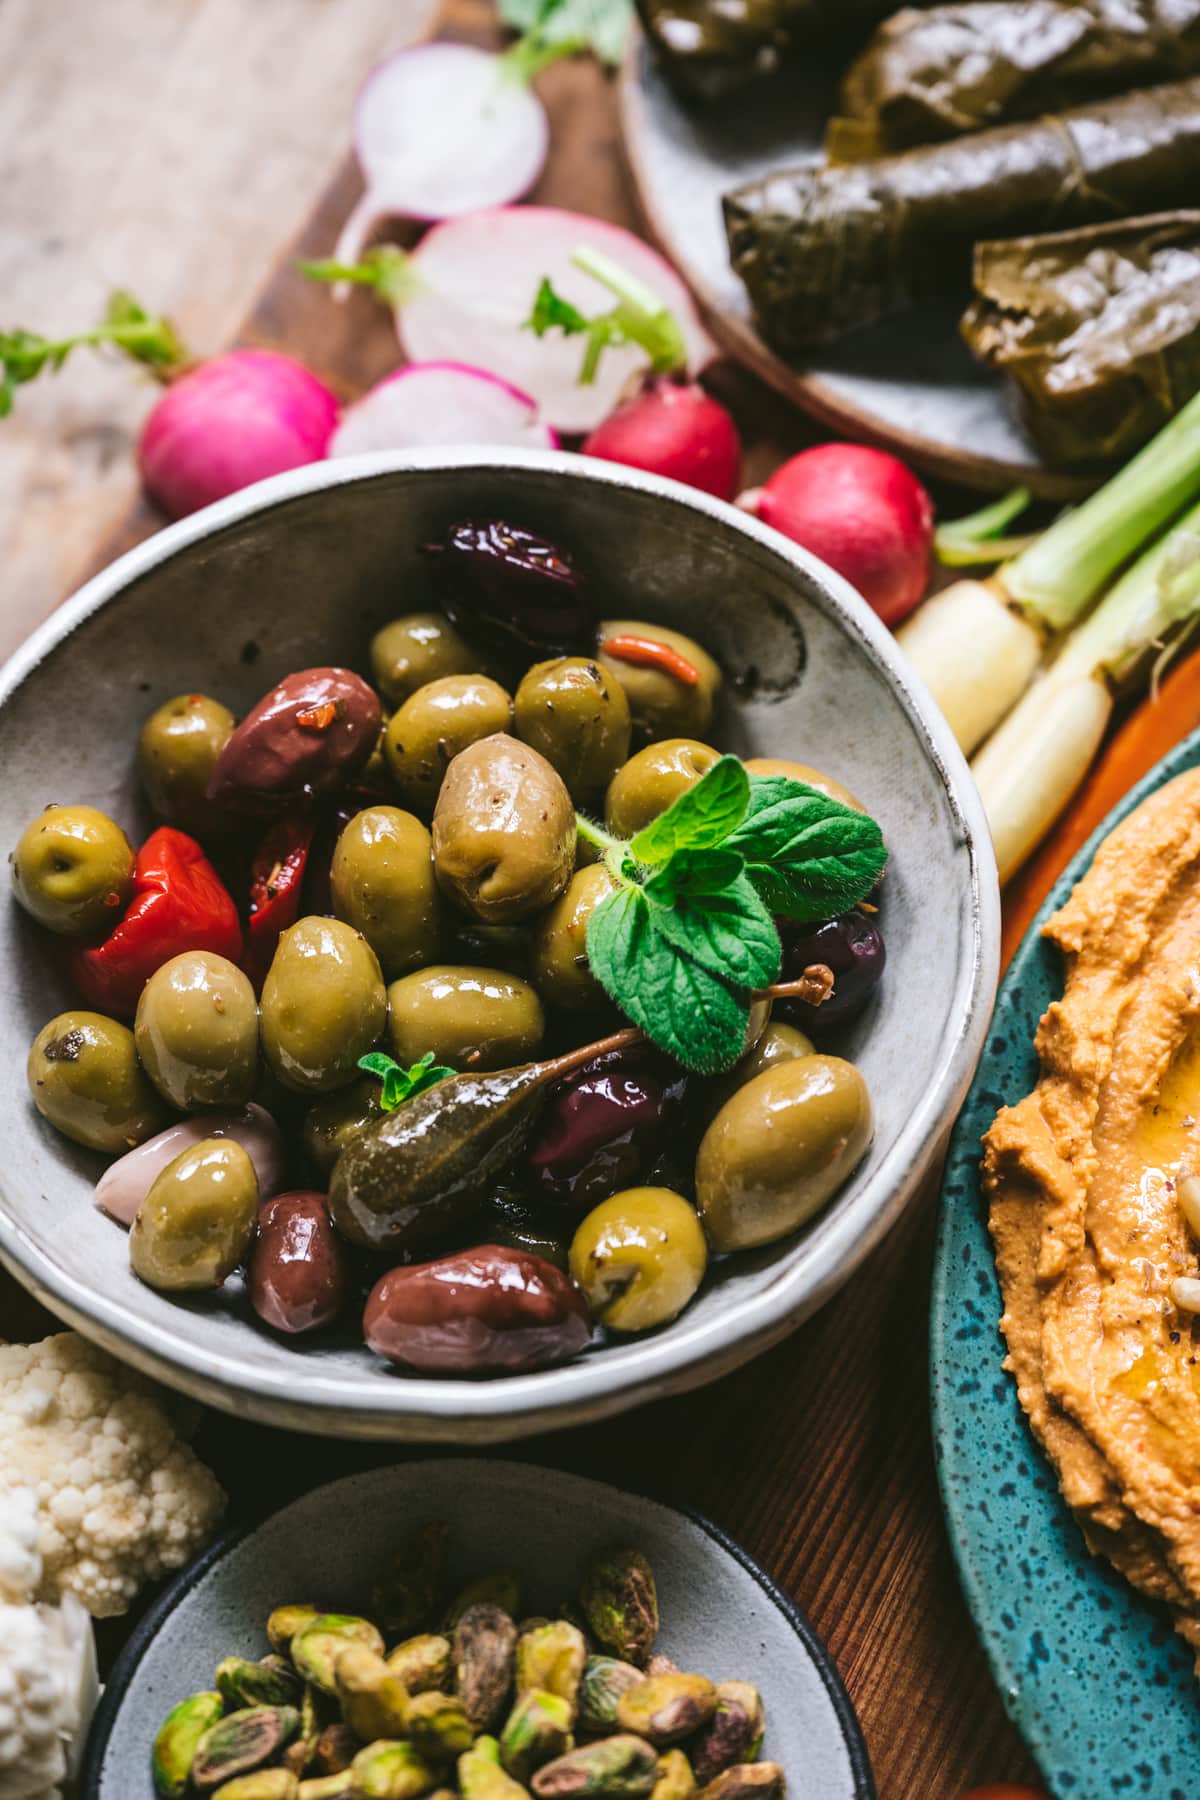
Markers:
point(417, 1408)
point(124, 1671)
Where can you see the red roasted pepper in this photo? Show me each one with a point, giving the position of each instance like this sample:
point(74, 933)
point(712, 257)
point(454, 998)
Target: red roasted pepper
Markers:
point(651, 653)
point(179, 903)
point(276, 881)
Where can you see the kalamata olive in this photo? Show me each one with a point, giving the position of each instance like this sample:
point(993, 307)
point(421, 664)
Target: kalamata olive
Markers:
point(600, 1131)
point(502, 585)
point(852, 947)
point(486, 1311)
point(297, 1278)
point(305, 738)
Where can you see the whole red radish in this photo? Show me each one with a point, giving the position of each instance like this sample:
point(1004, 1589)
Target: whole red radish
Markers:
point(231, 421)
point(672, 427)
point(864, 513)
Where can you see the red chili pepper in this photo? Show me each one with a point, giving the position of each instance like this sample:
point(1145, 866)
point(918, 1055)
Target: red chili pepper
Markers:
point(276, 878)
point(179, 903)
point(650, 653)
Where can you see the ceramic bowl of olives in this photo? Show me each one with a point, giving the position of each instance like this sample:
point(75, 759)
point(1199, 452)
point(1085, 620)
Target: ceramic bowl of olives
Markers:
point(491, 940)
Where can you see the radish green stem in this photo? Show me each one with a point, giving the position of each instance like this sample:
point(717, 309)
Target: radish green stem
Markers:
point(525, 60)
point(1056, 577)
point(977, 538)
point(639, 317)
point(24, 355)
point(385, 269)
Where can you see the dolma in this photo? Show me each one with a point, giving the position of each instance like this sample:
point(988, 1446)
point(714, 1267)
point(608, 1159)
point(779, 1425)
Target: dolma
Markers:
point(823, 251)
point(1099, 328)
point(708, 48)
point(932, 74)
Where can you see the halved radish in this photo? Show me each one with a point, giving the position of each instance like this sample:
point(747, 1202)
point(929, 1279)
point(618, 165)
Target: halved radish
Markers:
point(443, 129)
point(471, 284)
point(432, 403)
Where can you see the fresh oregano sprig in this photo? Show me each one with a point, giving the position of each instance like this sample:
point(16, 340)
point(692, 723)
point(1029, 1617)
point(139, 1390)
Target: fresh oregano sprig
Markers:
point(690, 930)
point(401, 1084)
point(126, 326)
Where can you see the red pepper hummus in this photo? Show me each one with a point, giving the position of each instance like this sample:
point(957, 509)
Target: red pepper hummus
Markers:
point(1091, 1180)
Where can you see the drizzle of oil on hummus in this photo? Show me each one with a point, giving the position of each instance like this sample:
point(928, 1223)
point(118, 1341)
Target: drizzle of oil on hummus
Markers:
point(1081, 1177)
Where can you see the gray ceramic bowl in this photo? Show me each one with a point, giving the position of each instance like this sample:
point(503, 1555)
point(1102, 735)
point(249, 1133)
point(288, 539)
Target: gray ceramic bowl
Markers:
point(720, 1613)
point(301, 570)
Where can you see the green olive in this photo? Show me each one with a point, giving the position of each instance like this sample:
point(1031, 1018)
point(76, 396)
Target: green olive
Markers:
point(779, 1149)
point(576, 714)
point(331, 1122)
point(816, 778)
point(470, 1018)
point(560, 962)
point(509, 1219)
point(419, 648)
point(197, 1222)
point(86, 1080)
point(507, 947)
point(639, 1258)
point(72, 870)
point(436, 724)
point(177, 751)
point(652, 779)
point(776, 1043)
point(663, 704)
point(323, 1005)
point(503, 832)
point(383, 884)
point(197, 1031)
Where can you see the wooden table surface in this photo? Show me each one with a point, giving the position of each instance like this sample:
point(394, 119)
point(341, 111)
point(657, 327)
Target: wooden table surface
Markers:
point(818, 1456)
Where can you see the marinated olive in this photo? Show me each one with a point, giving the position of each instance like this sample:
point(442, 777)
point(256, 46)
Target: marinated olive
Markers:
point(503, 832)
point(72, 870)
point(510, 1220)
point(815, 778)
point(176, 755)
point(469, 1018)
point(323, 1005)
point(305, 738)
point(778, 1150)
point(560, 963)
point(197, 1031)
point(652, 779)
point(484, 1311)
point(576, 714)
point(382, 883)
point(777, 1043)
point(664, 702)
point(197, 1222)
point(852, 948)
point(86, 1080)
point(509, 587)
point(601, 1131)
point(507, 947)
point(639, 1258)
point(297, 1278)
point(126, 1182)
point(419, 648)
point(436, 724)
point(332, 1122)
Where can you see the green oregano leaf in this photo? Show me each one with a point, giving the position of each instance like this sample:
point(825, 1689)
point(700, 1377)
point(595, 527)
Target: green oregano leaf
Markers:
point(401, 1084)
point(729, 933)
point(808, 856)
point(701, 818)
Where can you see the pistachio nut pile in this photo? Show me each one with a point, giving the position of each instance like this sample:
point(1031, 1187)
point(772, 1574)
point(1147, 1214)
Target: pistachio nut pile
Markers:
point(469, 1701)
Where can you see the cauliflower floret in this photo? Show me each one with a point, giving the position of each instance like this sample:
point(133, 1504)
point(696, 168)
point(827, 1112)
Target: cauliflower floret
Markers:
point(121, 1500)
point(48, 1685)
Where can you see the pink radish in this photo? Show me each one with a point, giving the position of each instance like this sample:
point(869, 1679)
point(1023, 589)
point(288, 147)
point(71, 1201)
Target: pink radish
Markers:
point(672, 427)
point(469, 285)
point(426, 404)
point(440, 130)
point(861, 511)
point(229, 422)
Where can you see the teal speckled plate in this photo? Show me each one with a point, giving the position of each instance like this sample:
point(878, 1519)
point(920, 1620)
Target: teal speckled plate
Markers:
point(1093, 1676)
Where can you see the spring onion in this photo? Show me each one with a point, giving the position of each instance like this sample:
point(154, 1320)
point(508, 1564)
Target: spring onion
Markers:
point(1034, 761)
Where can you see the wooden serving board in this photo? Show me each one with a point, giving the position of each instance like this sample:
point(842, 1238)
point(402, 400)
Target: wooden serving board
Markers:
point(818, 1456)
